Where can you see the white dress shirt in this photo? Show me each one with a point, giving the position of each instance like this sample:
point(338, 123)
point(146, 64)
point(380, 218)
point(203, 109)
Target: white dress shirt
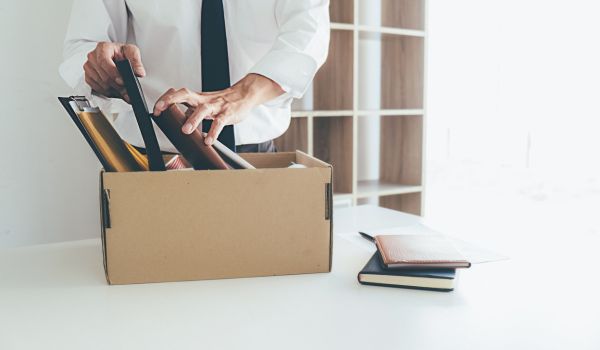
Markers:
point(284, 40)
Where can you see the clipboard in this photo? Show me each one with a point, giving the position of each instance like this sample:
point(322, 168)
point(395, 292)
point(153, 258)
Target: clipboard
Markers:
point(111, 150)
point(142, 115)
point(82, 103)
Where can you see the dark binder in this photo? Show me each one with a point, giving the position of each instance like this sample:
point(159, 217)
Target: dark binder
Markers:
point(142, 115)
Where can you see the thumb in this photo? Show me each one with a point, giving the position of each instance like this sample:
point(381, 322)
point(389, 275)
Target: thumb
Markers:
point(132, 53)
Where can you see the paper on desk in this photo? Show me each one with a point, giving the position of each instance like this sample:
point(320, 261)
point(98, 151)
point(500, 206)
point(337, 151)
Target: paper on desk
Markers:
point(473, 253)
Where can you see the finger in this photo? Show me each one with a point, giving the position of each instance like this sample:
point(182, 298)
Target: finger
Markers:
point(98, 89)
point(194, 120)
point(106, 78)
point(95, 85)
point(107, 67)
point(132, 53)
point(92, 65)
point(90, 72)
point(93, 78)
point(173, 96)
point(215, 129)
point(105, 54)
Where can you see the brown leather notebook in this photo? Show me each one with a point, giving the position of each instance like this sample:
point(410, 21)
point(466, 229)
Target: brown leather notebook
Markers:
point(418, 250)
point(191, 146)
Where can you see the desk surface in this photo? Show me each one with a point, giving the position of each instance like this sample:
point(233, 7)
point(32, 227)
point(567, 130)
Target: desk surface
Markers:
point(55, 297)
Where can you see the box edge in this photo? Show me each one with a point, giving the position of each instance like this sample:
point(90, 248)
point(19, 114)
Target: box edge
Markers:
point(103, 214)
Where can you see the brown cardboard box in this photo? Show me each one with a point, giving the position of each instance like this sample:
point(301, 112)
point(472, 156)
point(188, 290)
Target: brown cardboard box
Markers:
point(193, 225)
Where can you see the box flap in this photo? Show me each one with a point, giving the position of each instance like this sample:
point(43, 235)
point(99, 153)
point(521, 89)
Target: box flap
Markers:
point(307, 160)
point(270, 160)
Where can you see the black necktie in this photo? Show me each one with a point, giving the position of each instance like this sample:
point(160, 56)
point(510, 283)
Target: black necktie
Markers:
point(215, 60)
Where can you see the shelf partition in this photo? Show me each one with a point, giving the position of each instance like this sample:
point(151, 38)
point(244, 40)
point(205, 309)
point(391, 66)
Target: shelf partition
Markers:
point(332, 87)
point(408, 14)
point(296, 137)
point(332, 143)
point(341, 11)
point(408, 203)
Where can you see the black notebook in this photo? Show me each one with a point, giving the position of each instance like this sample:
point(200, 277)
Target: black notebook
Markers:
point(374, 273)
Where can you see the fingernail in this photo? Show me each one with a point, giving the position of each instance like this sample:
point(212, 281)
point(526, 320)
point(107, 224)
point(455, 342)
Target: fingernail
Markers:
point(208, 141)
point(119, 81)
point(187, 128)
point(158, 107)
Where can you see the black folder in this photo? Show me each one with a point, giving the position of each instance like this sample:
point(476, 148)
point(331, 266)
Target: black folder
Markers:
point(142, 115)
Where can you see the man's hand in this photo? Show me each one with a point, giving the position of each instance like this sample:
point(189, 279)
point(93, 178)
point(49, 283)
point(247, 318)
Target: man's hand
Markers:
point(223, 107)
point(101, 72)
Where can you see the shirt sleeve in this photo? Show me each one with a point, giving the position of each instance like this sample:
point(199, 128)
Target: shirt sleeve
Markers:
point(91, 22)
point(300, 48)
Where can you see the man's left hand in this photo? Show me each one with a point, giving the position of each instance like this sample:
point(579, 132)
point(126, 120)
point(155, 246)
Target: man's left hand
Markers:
point(225, 107)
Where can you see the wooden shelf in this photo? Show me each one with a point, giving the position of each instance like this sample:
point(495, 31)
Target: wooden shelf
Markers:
point(395, 112)
point(295, 138)
point(332, 87)
point(341, 11)
point(332, 143)
point(372, 188)
point(401, 150)
point(408, 203)
point(403, 13)
point(360, 113)
point(342, 196)
point(333, 113)
point(343, 200)
point(402, 66)
point(328, 121)
point(402, 70)
point(376, 29)
point(391, 31)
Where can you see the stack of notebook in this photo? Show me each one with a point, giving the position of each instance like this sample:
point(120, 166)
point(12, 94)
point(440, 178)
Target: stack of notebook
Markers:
point(414, 261)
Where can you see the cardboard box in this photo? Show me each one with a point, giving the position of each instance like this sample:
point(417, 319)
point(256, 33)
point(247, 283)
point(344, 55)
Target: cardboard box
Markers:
point(195, 225)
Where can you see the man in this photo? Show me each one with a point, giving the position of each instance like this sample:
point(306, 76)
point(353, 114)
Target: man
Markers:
point(190, 51)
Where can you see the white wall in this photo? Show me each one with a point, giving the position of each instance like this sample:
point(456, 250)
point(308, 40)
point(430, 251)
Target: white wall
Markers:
point(515, 82)
point(48, 176)
point(514, 117)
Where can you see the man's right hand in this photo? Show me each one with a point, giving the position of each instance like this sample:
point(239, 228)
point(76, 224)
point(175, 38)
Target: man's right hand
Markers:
point(101, 72)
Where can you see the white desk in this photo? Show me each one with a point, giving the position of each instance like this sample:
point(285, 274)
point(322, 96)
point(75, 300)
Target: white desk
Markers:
point(55, 297)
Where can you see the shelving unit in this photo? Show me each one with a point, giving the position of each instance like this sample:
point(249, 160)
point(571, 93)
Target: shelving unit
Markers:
point(326, 124)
